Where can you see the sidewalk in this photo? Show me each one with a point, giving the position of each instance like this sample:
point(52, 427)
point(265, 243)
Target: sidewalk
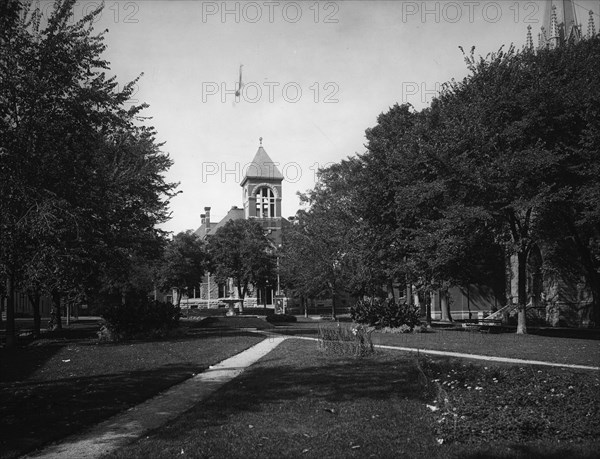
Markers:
point(126, 427)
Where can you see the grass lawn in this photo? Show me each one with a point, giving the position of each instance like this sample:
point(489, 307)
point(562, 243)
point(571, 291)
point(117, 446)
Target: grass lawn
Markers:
point(531, 346)
point(298, 402)
point(53, 388)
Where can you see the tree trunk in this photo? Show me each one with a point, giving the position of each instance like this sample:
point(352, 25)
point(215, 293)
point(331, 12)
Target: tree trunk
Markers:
point(390, 289)
point(409, 298)
point(11, 338)
point(428, 310)
point(522, 292)
point(445, 306)
point(333, 315)
point(594, 283)
point(35, 300)
point(469, 301)
point(56, 318)
point(304, 302)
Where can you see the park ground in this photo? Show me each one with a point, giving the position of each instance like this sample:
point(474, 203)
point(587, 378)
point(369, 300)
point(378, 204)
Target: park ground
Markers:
point(300, 402)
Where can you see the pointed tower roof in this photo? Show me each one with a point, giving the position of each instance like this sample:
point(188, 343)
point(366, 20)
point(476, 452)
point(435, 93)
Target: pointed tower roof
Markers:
point(591, 31)
point(529, 44)
point(560, 23)
point(262, 167)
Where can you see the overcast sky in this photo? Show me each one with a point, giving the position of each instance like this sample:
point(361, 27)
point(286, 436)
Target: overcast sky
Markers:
point(315, 75)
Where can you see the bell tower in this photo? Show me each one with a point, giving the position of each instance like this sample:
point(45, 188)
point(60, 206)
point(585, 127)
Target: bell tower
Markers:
point(262, 187)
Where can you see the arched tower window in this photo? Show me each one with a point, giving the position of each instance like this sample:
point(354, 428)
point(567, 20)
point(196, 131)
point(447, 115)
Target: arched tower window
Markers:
point(265, 203)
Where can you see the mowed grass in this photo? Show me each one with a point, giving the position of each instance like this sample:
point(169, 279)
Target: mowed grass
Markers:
point(298, 402)
point(53, 389)
point(583, 349)
point(510, 345)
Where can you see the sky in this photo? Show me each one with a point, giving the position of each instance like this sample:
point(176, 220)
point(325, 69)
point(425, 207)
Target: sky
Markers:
point(315, 76)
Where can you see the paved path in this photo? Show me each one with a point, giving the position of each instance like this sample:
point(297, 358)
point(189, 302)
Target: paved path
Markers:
point(488, 358)
point(126, 427)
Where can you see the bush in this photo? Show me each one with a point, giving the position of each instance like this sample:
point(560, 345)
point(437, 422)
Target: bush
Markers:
point(280, 318)
point(138, 316)
point(380, 313)
point(355, 341)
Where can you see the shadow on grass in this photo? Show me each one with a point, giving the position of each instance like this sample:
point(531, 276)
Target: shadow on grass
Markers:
point(328, 382)
point(38, 409)
point(37, 412)
point(529, 451)
point(573, 333)
point(20, 363)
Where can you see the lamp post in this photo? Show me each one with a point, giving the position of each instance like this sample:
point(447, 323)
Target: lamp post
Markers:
point(278, 281)
point(336, 269)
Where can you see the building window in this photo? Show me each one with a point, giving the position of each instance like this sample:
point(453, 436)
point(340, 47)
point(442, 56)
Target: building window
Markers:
point(222, 291)
point(265, 203)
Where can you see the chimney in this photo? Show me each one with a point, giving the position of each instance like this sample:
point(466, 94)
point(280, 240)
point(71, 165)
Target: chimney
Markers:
point(202, 219)
point(206, 220)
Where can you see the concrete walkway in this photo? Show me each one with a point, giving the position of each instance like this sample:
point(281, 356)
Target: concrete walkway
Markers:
point(488, 358)
point(126, 427)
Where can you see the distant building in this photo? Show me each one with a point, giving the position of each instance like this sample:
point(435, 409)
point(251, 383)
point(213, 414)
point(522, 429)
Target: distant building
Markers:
point(560, 25)
point(261, 197)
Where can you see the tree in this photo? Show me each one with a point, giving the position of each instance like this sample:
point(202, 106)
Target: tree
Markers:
point(520, 122)
point(183, 264)
point(240, 250)
point(81, 177)
point(326, 250)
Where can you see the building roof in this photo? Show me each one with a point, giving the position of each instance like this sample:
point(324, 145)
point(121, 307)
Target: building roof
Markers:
point(235, 213)
point(202, 230)
point(262, 167)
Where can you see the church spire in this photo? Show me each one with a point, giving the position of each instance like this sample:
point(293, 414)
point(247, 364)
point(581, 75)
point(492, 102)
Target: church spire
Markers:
point(554, 33)
point(591, 30)
point(560, 24)
point(529, 44)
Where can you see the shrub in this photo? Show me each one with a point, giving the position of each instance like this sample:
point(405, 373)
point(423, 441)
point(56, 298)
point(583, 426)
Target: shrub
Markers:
point(138, 316)
point(385, 313)
point(355, 341)
point(280, 318)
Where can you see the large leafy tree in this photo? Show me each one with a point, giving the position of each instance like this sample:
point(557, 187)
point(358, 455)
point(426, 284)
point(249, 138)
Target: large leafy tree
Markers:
point(183, 264)
point(329, 247)
point(81, 176)
point(240, 250)
point(506, 158)
point(517, 126)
